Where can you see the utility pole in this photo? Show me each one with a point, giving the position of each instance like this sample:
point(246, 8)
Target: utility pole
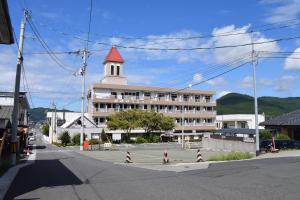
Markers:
point(182, 123)
point(254, 63)
point(51, 126)
point(15, 113)
point(82, 72)
point(54, 124)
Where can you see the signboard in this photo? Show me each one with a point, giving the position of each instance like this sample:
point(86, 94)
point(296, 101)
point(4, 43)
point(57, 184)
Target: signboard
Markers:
point(116, 136)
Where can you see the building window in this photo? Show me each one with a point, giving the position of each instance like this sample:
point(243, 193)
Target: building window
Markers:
point(118, 70)
point(243, 125)
point(225, 125)
point(173, 97)
point(207, 99)
point(111, 70)
point(185, 97)
point(145, 107)
point(96, 120)
point(114, 94)
point(147, 94)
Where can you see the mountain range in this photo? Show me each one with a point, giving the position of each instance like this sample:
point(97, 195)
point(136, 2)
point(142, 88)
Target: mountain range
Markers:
point(232, 103)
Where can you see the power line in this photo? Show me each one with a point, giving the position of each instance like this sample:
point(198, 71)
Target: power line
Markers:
point(202, 48)
point(213, 77)
point(174, 39)
point(47, 48)
point(89, 26)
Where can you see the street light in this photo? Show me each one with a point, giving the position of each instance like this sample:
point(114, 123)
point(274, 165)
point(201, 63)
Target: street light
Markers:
point(182, 120)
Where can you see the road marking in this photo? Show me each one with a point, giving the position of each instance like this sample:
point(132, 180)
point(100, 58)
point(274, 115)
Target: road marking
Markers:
point(54, 151)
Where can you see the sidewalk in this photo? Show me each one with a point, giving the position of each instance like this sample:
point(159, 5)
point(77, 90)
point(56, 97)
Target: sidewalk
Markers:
point(10, 174)
point(282, 153)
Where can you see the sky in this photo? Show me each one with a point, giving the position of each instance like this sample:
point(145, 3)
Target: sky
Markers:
point(158, 24)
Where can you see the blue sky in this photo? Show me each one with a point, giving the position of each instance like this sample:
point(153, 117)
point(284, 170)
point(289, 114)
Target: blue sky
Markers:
point(60, 23)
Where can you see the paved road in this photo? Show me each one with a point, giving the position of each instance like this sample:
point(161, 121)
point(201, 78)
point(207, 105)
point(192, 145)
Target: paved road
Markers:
point(63, 174)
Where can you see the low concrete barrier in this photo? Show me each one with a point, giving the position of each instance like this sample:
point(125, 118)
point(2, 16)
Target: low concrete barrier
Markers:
point(227, 145)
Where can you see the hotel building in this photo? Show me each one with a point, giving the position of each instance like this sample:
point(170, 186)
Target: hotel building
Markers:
point(113, 94)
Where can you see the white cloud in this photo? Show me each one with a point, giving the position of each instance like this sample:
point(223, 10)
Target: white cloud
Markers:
point(222, 93)
point(197, 77)
point(265, 82)
point(291, 62)
point(285, 83)
point(283, 11)
point(217, 81)
point(247, 82)
point(225, 54)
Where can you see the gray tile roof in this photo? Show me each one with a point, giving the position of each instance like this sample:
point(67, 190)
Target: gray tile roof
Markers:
point(6, 112)
point(289, 119)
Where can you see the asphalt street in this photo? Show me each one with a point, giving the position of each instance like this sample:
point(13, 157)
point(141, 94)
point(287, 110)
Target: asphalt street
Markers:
point(60, 173)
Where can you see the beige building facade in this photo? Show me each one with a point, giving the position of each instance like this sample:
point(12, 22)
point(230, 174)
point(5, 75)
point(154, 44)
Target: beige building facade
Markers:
point(113, 94)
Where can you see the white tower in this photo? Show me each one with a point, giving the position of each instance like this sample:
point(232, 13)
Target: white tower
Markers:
point(113, 68)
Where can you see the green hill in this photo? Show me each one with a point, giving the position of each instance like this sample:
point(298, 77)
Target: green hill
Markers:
point(234, 103)
point(39, 114)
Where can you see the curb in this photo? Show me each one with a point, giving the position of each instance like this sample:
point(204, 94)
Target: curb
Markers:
point(11, 173)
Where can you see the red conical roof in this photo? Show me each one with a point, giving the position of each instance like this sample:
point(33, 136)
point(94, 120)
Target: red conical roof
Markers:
point(113, 56)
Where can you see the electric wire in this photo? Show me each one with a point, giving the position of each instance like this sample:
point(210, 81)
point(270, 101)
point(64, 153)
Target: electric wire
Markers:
point(47, 48)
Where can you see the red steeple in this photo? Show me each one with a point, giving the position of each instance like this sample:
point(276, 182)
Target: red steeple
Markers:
point(113, 56)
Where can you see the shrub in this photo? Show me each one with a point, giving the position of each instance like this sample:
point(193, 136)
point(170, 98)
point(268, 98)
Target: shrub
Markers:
point(65, 138)
point(76, 139)
point(45, 130)
point(265, 135)
point(103, 136)
point(94, 141)
point(231, 156)
point(140, 139)
point(281, 136)
point(156, 138)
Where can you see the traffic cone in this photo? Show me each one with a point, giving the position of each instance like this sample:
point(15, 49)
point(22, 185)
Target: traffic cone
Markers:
point(128, 157)
point(165, 158)
point(199, 156)
point(27, 152)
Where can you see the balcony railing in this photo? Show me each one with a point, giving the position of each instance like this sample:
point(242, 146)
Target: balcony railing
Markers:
point(135, 98)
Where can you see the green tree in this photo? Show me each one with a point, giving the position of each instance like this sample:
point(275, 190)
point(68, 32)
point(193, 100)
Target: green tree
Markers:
point(167, 123)
point(65, 138)
point(265, 135)
point(104, 136)
point(150, 121)
point(126, 121)
point(282, 136)
point(76, 139)
point(45, 129)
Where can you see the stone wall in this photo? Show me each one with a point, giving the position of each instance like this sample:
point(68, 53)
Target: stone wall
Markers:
point(227, 145)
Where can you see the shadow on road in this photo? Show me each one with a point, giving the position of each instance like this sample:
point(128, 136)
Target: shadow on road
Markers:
point(44, 173)
point(40, 147)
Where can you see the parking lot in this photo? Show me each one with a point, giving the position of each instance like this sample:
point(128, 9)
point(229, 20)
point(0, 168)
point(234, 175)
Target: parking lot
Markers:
point(150, 153)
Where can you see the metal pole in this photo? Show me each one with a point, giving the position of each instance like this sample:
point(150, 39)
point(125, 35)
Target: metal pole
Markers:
point(15, 113)
point(55, 125)
point(254, 63)
point(52, 125)
point(182, 123)
point(83, 97)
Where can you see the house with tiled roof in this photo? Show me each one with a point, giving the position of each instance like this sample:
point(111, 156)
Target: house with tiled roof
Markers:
point(288, 124)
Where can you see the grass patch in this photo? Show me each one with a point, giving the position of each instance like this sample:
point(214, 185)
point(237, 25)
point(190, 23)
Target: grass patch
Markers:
point(231, 156)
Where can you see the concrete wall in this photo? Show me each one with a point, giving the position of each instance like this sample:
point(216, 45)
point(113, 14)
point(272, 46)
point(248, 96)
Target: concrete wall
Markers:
point(227, 145)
